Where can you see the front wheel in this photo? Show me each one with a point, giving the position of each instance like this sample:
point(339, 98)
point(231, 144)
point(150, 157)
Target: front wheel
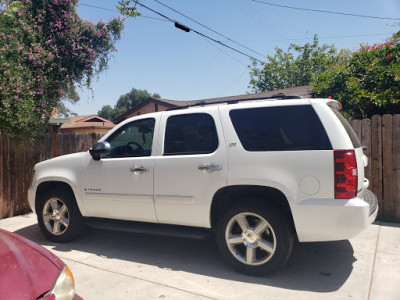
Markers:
point(254, 239)
point(58, 215)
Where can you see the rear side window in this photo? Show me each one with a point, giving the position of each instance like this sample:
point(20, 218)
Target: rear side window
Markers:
point(190, 134)
point(284, 128)
point(350, 131)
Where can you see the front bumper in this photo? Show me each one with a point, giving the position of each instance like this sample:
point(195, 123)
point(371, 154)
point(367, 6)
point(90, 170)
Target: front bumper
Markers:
point(31, 198)
point(334, 219)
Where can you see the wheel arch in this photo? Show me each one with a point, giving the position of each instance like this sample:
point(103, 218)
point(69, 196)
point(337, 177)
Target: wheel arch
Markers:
point(54, 184)
point(232, 195)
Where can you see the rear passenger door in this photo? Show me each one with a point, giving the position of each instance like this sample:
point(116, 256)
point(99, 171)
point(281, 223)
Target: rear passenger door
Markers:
point(190, 166)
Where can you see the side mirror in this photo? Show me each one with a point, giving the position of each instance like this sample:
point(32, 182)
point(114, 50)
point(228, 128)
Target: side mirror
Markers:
point(99, 149)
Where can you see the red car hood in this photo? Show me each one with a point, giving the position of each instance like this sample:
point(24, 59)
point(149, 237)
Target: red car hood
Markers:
point(27, 270)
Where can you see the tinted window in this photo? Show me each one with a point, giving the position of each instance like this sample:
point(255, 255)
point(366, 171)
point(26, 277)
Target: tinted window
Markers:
point(285, 128)
point(353, 136)
point(132, 139)
point(190, 134)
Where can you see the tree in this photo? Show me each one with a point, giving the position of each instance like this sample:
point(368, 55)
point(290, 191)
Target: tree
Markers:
point(368, 84)
point(296, 67)
point(71, 96)
point(125, 102)
point(45, 48)
point(395, 38)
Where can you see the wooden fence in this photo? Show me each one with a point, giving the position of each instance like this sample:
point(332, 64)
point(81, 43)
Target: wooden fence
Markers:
point(17, 161)
point(380, 134)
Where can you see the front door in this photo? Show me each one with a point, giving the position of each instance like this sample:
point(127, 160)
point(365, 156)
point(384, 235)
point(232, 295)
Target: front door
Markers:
point(120, 185)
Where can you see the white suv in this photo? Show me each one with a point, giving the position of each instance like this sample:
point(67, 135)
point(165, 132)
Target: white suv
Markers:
point(257, 174)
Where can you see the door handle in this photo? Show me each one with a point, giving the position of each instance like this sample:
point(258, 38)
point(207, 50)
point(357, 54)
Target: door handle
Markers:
point(210, 168)
point(139, 169)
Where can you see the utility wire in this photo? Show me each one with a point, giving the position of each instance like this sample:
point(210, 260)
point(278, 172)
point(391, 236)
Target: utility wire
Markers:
point(187, 29)
point(175, 22)
point(204, 26)
point(113, 10)
point(331, 37)
point(326, 11)
point(226, 53)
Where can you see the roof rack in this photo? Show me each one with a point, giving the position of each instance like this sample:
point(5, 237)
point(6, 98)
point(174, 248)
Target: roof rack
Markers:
point(279, 96)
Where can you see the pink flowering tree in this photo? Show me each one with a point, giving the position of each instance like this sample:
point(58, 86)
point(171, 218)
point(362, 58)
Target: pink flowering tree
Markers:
point(367, 83)
point(44, 49)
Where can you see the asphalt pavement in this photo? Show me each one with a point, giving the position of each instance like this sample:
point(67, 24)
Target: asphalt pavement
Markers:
point(121, 265)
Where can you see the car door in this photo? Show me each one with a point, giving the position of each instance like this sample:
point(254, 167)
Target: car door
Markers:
point(120, 184)
point(190, 166)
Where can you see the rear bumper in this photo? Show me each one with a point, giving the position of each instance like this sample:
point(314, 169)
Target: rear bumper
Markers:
point(334, 219)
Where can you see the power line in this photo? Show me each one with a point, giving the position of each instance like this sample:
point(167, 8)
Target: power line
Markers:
point(113, 10)
point(270, 26)
point(326, 11)
point(332, 37)
point(233, 82)
point(226, 53)
point(180, 26)
point(187, 29)
point(283, 16)
point(204, 26)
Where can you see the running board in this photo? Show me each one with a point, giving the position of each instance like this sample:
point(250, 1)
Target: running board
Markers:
point(149, 228)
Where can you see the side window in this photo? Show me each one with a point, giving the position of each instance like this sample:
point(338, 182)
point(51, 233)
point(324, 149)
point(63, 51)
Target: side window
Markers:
point(285, 128)
point(190, 134)
point(133, 139)
point(353, 136)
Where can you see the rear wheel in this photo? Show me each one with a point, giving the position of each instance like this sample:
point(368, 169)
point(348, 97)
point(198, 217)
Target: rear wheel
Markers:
point(59, 217)
point(255, 239)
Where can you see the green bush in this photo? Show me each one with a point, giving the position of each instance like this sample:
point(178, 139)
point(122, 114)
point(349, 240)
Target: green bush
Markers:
point(367, 84)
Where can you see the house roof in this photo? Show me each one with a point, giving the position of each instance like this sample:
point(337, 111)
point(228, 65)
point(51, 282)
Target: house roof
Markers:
point(88, 121)
point(303, 91)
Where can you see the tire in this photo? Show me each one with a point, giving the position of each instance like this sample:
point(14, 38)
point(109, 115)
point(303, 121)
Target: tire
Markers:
point(254, 238)
point(58, 216)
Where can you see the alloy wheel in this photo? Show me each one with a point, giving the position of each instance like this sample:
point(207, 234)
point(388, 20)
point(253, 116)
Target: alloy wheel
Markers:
point(250, 238)
point(55, 216)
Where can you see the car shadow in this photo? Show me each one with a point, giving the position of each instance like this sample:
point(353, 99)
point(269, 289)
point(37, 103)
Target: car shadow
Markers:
point(319, 267)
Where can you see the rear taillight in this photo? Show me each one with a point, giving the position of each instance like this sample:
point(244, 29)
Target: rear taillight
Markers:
point(346, 175)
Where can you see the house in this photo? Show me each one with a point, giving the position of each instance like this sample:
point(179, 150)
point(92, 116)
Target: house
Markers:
point(153, 104)
point(87, 124)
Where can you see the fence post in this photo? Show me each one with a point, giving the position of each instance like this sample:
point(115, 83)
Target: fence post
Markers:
point(54, 144)
point(387, 155)
point(376, 159)
point(396, 166)
point(366, 141)
point(6, 177)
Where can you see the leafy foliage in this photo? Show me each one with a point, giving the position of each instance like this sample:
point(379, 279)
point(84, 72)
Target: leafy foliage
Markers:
point(296, 67)
point(126, 10)
point(125, 103)
point(369, 83)
point(71, 96)
point(44, 49)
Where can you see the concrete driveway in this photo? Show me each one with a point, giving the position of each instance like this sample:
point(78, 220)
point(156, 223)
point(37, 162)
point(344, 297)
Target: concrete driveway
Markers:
point(118, 265)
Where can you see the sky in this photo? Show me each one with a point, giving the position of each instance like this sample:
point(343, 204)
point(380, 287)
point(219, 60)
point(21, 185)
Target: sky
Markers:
point(155, 56)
